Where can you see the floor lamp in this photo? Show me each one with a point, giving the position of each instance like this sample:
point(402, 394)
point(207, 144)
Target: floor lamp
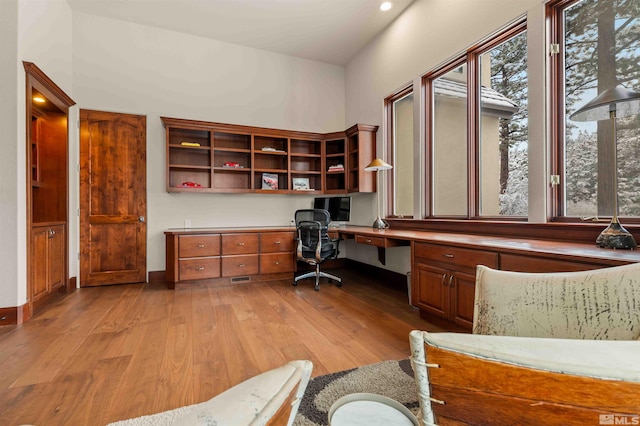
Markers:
point(611, 104)
point(376, 166)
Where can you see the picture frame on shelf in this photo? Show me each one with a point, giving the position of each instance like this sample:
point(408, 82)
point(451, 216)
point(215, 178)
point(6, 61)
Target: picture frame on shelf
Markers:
point(300, 184)
point(270, 181)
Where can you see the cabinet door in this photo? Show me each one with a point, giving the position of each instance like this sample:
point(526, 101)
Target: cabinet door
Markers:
point(433, 289)
point(40, 260)
point(462, 288)
point(56, 256)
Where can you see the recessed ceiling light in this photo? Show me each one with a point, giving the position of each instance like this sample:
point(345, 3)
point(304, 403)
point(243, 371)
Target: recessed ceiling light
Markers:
point(39, 99)
point(385, 6)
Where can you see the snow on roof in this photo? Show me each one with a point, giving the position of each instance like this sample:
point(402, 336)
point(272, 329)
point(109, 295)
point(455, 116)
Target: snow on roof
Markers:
point(492, 101)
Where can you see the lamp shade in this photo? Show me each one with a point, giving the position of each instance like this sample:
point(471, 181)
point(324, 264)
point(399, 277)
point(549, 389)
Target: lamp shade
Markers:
point(622, 101)
point(378, 164)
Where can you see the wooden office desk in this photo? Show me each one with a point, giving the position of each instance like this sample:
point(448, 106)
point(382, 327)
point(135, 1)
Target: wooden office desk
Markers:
point(442, 264)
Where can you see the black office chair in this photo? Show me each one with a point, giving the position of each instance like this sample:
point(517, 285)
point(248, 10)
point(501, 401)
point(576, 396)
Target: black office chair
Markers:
point(314, 245)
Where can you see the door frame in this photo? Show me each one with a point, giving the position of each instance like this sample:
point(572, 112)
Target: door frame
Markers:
point(38, 80)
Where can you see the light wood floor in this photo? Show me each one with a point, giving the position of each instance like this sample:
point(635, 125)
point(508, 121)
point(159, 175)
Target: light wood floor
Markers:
point(104, 354)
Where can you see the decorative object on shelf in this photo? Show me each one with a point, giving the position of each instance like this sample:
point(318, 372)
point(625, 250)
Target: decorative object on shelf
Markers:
point(189, 144)
point(232, 164)
point(301, 184)
point(269, 181)
point(336, 168)
point(191, 185)
point(376, 166)
point(611, 104)
point(271, 149)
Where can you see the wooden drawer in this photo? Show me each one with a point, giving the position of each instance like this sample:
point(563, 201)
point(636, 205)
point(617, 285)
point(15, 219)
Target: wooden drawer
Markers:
point(275, 242)
point(239, 244)
point(233, 266)
point(273, 263)
point(519, 263)
point(199, 268)
point(463, 257)
point(372, 241)
point(198, 245)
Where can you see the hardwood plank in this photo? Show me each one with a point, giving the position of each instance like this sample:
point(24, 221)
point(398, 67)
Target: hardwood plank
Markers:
point(102, 354)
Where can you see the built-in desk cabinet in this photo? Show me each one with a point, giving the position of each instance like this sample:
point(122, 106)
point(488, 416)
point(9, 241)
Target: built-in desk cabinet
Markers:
point(229, 255)
point(445, 278)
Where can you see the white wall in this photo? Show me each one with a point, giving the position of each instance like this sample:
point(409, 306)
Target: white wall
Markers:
point(427, 34)
point(37, 31)
point(129, 68)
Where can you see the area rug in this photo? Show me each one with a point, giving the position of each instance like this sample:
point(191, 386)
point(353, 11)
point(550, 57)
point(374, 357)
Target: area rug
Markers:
point(393, 379)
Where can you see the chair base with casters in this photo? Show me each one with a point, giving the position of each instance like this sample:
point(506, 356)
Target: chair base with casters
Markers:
point(317, 274)
point(314, 245)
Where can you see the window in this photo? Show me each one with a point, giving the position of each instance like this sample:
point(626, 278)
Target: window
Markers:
point(599, 44)
point(400, 118)
point(477, 130)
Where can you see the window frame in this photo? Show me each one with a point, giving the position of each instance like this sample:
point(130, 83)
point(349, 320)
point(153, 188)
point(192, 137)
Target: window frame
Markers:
point(389, 102)
point(470, 58)
point(556, 118)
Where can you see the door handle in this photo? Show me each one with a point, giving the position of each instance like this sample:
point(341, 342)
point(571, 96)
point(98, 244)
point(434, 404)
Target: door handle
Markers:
point(140, 218)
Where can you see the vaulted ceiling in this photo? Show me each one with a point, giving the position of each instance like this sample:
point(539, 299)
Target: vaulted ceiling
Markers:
point(331, 31)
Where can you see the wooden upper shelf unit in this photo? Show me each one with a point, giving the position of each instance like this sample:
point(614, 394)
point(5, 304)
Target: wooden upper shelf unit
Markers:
point(216, 157)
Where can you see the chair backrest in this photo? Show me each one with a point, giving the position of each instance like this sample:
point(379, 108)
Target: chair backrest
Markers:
point(601, 304)
point(479, 379)
point(313, 234)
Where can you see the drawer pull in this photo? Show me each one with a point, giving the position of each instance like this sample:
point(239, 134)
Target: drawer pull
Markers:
point(277, 263)
point(368, 240)
point(201, 246)
point(277, 242)
point(448, 255)
point(442, 280)
point(451, 281)
point(240, 244)
point(200, 268)
point(241, 265)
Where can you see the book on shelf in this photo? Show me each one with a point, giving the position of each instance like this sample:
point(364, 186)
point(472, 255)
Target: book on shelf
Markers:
point(336, 168)
point(269, 181)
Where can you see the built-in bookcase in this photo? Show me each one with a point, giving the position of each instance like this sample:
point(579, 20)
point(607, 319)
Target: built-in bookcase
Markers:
point(216, 157)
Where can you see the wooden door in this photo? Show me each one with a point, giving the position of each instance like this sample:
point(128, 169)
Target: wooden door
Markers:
point(113, 198)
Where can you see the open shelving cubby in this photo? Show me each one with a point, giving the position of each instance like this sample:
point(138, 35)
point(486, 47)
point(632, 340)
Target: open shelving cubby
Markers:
point(306, 164)
point(189, 159)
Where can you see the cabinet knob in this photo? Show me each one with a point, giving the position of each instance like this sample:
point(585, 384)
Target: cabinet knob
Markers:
point(277, 263)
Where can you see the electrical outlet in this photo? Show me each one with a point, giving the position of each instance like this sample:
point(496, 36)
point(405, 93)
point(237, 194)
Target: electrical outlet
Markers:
point(187, 223)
